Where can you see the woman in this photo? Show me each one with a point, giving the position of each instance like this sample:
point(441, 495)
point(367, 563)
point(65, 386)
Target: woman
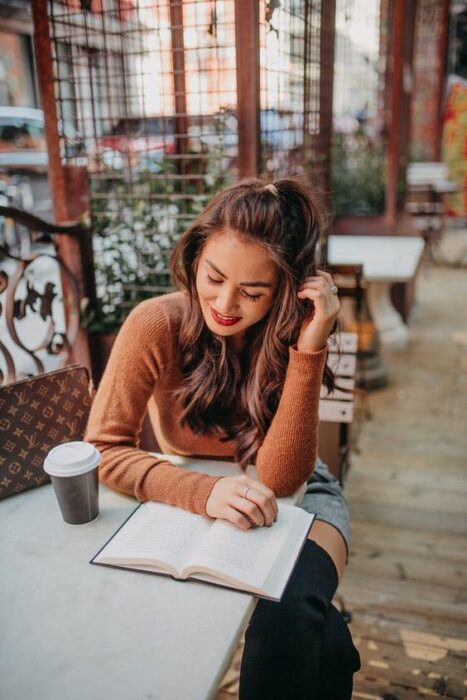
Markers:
point(231, 367)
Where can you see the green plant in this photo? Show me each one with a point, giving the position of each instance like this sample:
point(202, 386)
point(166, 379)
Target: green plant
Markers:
point(358, 174)
point(136, 221)
point(132, 244)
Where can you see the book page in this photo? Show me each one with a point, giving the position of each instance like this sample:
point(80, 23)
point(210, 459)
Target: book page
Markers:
point(156, 532)
point(248, 555)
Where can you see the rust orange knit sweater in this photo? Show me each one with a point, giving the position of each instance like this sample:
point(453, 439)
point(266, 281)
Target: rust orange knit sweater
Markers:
point(144, 367)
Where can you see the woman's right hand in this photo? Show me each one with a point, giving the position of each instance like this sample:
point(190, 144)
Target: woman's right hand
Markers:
point(227, 501)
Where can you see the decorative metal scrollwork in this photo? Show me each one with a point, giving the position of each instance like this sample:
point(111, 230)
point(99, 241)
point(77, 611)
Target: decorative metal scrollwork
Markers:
point(39, 304)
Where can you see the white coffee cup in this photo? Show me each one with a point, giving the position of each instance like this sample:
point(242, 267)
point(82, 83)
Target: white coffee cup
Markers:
point(73, 469)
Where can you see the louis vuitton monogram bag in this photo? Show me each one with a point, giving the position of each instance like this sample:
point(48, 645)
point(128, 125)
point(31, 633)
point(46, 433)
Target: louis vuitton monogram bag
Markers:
point(35, 415)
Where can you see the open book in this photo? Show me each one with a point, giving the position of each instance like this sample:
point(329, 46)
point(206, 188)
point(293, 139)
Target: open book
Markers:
point(162, 539)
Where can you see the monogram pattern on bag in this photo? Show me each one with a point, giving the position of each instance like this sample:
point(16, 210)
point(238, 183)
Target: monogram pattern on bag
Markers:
point(36, 415)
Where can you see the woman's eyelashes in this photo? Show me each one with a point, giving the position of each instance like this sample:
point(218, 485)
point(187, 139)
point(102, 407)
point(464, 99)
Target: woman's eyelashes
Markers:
point(211, 280)
point(251, 297)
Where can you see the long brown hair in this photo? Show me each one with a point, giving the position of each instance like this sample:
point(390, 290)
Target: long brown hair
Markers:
point(224, 394)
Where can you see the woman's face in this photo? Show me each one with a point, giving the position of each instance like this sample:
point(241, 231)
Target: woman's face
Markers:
point(236, 281)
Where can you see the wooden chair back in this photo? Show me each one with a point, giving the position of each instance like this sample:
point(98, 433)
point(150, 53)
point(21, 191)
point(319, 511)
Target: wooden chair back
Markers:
point(336, 410)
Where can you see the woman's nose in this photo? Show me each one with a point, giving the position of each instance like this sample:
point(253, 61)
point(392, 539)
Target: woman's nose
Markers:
point(226, 300)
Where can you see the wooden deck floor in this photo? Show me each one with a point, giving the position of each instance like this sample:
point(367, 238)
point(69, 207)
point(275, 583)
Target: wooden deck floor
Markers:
point(406, 582)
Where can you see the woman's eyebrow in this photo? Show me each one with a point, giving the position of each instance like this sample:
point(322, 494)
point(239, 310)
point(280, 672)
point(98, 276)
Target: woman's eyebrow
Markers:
point(216, 269)
point(245, 284)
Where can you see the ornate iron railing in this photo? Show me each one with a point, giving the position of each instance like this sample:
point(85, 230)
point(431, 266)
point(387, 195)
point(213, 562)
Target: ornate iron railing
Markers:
point(39, 296)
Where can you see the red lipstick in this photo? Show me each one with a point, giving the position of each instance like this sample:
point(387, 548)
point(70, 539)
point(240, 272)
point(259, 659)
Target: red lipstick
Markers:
point(225, 320)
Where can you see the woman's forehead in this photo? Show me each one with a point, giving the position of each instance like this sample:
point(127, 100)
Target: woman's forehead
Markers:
point(231, 250)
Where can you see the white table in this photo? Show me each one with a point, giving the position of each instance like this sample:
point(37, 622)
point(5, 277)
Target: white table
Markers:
point(71, 630)
point(431, 174)
point(386, 260)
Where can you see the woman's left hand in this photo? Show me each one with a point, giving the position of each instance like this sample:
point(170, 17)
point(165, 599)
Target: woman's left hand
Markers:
point(316, 327)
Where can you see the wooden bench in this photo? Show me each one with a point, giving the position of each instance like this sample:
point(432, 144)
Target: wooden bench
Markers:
point(336, 410)
point(427, 183)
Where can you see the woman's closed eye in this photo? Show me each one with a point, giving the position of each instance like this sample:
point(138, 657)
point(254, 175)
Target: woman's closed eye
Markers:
point(211, 280)
point(251, 297)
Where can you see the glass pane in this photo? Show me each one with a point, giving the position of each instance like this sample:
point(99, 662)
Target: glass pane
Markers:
point(358, 150)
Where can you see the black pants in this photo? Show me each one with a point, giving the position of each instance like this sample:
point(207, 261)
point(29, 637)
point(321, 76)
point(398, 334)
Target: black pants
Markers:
point(300, 648)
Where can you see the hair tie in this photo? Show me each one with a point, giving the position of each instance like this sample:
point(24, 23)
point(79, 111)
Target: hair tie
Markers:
point(272, 189)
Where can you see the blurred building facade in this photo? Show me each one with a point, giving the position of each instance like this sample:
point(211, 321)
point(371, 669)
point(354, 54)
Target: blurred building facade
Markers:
point(18, 85)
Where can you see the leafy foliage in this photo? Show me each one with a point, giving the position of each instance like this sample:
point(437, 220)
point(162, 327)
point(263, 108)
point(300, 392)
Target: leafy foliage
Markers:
point(358, 174)
point(136, 220)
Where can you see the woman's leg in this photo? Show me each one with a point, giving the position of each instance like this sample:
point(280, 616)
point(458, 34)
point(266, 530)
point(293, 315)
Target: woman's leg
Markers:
point(339, 659)
point(330, 539)
point(281, 657)
point(325, 498)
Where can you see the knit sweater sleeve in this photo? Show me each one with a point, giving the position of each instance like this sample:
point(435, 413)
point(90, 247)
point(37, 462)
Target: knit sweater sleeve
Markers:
point(115, 422)
point(288, 454)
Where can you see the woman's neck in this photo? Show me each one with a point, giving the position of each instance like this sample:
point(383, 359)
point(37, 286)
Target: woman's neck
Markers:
point(238, 343)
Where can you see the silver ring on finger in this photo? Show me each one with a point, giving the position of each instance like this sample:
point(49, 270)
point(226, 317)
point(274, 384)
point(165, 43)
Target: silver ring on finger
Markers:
point(246, 493)
point(334, 289)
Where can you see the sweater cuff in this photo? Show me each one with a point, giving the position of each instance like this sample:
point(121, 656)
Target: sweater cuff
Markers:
point(203, 492)
point(307, 361)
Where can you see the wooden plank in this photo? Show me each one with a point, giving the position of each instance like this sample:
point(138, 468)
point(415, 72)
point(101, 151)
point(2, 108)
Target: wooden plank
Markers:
point(328, 448)
point(412, 478)
point(410, 518)
point(412, 664)
point(389, 564)
point(335, 411)
point(411, 455)
point(379, 689)
point(343, 365)
point(387, 626)
point(448, 546)
point(419, 498)
point(417, 643)
point(367, 593)
point(343, 342)
point(341, 383)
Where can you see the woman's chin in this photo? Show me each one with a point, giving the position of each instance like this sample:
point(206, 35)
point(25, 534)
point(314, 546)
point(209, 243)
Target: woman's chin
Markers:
point(218, 329)
point(225, 332)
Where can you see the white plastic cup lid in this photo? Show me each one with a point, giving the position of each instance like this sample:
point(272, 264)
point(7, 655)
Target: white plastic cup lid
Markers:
point(71, 459)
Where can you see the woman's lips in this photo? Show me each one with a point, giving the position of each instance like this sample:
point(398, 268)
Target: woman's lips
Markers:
point(225, 320)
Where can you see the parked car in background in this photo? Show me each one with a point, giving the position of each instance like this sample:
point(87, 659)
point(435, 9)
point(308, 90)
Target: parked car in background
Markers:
point(23, 154)
point(22, 139)
point(142, 142)
point(137, 142)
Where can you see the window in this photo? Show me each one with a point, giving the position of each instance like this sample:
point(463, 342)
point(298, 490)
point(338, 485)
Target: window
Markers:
point(21, 134)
